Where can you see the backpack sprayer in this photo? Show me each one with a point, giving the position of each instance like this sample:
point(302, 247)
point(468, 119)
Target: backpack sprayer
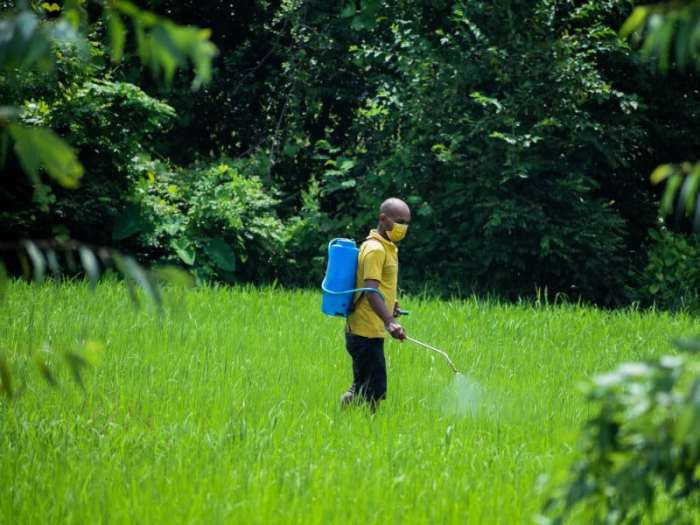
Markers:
point(338, 287)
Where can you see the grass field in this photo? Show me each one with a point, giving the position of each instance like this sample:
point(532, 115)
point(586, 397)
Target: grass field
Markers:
point(226, 410)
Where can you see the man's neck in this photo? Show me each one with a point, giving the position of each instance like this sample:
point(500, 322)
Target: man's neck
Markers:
point(382, 232)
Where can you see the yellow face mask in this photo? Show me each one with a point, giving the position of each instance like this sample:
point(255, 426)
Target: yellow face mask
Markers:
point(398, 232)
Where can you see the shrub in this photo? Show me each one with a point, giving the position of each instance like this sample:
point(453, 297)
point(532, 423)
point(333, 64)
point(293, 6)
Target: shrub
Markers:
point(640, 446)
point(671, 275)
point(217, 218)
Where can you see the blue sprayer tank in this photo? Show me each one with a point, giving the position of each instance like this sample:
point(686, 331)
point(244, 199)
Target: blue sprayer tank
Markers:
point(339, 284)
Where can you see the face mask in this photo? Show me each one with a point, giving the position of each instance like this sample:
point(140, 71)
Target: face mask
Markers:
point(398, 232)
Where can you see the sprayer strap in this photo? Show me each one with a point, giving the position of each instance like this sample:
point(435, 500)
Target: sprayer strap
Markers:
point(362, 294)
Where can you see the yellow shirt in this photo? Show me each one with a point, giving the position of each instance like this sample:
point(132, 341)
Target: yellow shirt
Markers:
point(379, 260)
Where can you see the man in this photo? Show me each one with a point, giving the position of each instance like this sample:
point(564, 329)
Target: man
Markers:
point(378, 268)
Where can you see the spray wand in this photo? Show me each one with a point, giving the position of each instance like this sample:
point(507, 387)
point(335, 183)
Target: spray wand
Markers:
point(437, 350)
point(432, 348)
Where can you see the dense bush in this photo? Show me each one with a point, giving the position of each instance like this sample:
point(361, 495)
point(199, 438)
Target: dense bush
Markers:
point(110, 123)
point(670, 279)
point(217, 218)
point(639, 447)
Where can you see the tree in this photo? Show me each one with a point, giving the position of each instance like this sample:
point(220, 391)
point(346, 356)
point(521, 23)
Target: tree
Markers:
point(33, 39)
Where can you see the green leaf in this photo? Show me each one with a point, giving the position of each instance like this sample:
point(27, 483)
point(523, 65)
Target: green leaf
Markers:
point(76, 363)
point(185, 250)
point(670, 194)
point(174, 276)
point(634, 21)
point(221, 254)
point(133, 270)
point(688, 344)
point(121, 267)
point(23, 42)
point(164, 46)
point(348, 11)
point(41, 148)
point(127, 224)
point(117, 35)
point(38, 261)
point(690, 189)
point(51, 8)
point(90, 264)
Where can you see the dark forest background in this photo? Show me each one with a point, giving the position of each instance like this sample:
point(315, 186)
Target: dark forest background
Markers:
point(522, 134)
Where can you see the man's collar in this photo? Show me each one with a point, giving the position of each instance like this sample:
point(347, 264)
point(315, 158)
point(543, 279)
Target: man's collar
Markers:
point(374, 234)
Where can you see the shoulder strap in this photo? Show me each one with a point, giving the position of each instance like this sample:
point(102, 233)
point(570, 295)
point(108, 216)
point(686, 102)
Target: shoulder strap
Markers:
point(362, 294)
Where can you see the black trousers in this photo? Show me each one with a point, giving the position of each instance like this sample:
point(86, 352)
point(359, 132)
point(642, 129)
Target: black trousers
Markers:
point(368, 366)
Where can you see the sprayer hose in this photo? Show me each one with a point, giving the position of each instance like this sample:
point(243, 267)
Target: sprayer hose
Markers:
point(354, 290)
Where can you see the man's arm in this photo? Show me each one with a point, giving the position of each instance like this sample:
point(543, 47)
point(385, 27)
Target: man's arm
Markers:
point(377, 304)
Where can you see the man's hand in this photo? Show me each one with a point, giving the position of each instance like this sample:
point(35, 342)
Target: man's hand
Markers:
point(397, 310)
point(396, 330)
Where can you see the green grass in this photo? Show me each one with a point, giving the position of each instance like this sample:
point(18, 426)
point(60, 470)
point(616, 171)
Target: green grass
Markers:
point(226, 409)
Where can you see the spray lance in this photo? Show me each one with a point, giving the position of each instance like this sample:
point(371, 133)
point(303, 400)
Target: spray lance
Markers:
point(431, 348)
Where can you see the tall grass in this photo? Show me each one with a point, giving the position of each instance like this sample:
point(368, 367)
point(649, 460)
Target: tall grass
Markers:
point(225, 409)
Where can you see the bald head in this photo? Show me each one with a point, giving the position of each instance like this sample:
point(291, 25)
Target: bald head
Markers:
point(393, 211)
point(395, 208)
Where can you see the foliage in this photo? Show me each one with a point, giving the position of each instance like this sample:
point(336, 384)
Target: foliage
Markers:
point(29, 38)
point(667, 33)
point(670, 279)
point(216, 217)
point(521, 135)
point(640, 444)
point(505, 171)
point(680, 196)
point(111, 123)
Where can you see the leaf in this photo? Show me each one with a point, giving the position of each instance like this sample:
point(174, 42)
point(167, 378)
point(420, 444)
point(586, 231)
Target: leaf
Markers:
point(661, 173)
point(348, 11)
point(90, 264)
point(92, 351)
point(51, 8)
point(45, 371)
point(121, 267)
point(688, 344)
point(664, 38)
point(41, 148)
point(5, 378)
point(127, 224)
point(164, 46)
point(221, 254)
point(670, 194)
point(53, 263)
point(174, 276)
point(24, 42)
point(634, 21)
point(76, 363)
point(185, 250)
point(117, 35)
point(38, 261)
point(134, 270)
